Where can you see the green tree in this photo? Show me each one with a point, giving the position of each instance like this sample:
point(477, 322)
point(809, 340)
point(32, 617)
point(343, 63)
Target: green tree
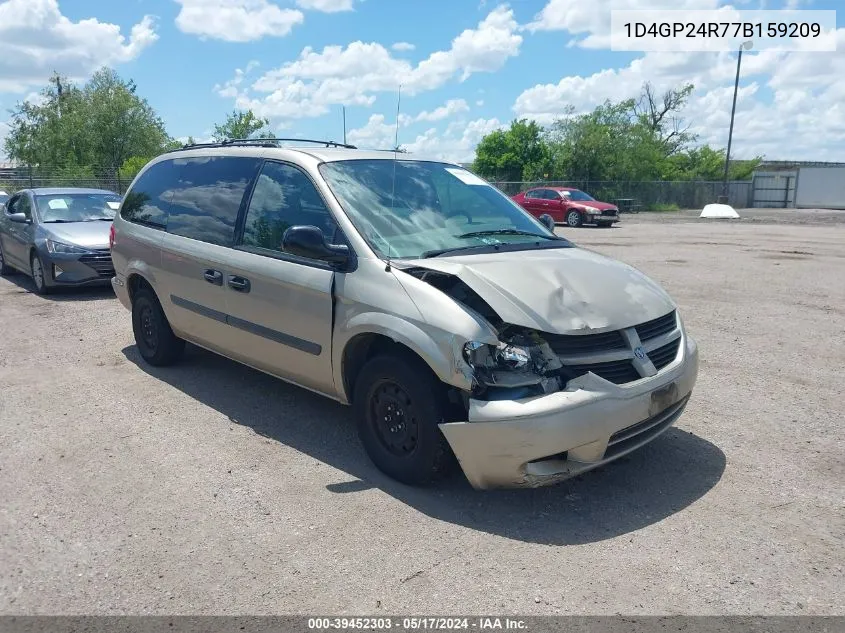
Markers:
point(518, 153)
point(241, 124)
point(95, 128)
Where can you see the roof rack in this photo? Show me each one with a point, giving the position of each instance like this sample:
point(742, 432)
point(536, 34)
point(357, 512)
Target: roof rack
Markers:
point(262, 142)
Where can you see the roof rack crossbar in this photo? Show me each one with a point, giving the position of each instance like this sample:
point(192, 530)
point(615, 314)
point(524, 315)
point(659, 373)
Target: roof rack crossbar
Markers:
point(262, 142)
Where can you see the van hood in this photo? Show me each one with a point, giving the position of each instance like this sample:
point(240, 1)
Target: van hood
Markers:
point(93, 235)
point(562, 291)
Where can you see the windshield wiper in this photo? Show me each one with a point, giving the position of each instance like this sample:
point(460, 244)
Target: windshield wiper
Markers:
point(443, 251)
point(58, 221)
point(99, 220)
point(508, 232)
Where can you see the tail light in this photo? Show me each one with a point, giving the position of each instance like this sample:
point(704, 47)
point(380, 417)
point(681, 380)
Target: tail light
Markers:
point(111, 237)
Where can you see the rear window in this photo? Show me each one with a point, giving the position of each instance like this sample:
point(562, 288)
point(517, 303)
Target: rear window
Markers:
point(208, 196)
point(149, 199)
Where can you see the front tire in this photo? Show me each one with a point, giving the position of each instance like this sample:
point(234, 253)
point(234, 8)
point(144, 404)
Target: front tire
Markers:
point(573, 219)
point(156, 342)
point(38, 274)
point(398, 403)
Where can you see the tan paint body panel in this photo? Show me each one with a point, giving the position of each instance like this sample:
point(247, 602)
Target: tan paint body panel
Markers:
point(297, 320)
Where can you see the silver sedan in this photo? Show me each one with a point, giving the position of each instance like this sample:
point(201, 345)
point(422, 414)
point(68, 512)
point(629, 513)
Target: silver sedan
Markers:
point(59, 237)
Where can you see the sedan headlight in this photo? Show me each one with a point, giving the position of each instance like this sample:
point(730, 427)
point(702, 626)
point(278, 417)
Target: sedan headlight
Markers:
point(65, 249)
point(591, 210)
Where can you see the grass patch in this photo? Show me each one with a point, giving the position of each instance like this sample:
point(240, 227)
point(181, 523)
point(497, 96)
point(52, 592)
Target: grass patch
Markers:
point(661, 207)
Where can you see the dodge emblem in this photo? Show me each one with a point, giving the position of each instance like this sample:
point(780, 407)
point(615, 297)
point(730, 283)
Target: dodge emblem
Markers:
point(639, 352)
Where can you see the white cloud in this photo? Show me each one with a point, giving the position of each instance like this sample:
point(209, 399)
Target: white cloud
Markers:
point(403, 46)
point(354, 74)
point(36, 39)
point(592, 19)
point(326, 6)
point(789, 104)
point(236, 20)
point(449, 109)
point(456, 144)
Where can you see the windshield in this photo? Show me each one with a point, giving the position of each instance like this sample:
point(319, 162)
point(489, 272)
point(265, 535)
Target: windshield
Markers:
point(413, 209)
point(578, 196)
point(77, 207)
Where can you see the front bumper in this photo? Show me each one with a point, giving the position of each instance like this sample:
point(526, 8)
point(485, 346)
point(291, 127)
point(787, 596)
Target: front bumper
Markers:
point(90, 269)
point(545, 439)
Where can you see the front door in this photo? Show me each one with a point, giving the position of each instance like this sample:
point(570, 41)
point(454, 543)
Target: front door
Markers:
point(280, 305)
point(19, 237)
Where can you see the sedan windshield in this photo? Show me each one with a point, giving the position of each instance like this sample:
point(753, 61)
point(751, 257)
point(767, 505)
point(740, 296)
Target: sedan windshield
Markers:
point(578, 196)
point(414, 209)
point(77, 207)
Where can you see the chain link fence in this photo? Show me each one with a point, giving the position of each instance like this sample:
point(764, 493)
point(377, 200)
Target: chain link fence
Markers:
point(651, 195)
point(644, 196)
point(15, 178)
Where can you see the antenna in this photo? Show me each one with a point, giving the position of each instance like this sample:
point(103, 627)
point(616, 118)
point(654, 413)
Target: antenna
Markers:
point(395, 160)
point(344, 125)
point(398, 105)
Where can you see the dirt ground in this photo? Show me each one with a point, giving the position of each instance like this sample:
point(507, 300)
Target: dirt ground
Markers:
point(209, 488)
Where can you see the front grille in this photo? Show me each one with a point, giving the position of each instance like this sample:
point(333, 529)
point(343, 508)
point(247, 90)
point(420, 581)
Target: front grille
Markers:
point(100, 261)
point(617, 371)
point(653, 329)
point(641, 432)
point(575, 344)
point(662, 356)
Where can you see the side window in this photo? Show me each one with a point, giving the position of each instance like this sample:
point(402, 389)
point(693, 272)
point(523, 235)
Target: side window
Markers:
point(208, 196)
point(284, 197)
point(23, 205)
point(550, 194)
point(534, 194)
point(148, 201)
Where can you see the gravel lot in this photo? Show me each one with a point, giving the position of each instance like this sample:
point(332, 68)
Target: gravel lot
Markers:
point(211, 488)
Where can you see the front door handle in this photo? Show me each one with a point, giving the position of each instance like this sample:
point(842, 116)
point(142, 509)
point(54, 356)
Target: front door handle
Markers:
point(213, 277)
point(241, 284)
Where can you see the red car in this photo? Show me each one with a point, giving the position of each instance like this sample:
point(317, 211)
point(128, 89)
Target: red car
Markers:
point(564, 204)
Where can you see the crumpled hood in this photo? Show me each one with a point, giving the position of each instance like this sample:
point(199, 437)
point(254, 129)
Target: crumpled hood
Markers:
point(566, 290)
point(92, 235)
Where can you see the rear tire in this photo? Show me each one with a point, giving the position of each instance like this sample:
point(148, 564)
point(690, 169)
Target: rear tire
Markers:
point(573, 219)
point(398, 404)
point(38, 274)
point(156, 342)
point(5, 269)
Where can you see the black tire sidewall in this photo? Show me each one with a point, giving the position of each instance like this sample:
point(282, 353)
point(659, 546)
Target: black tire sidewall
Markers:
point(429, 459)
point(168, 347)
point(44, 288)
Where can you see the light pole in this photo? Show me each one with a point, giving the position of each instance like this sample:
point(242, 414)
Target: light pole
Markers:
point(747, 45)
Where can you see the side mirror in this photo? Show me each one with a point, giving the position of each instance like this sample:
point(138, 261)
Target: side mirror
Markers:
point(308, 241)
point(548, 221)
point(19, 218)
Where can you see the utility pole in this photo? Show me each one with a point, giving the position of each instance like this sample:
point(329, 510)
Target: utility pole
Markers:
point(344, 125)
point(745, 45)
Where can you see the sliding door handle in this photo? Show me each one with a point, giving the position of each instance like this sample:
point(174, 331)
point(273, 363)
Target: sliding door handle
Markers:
point(213, 277)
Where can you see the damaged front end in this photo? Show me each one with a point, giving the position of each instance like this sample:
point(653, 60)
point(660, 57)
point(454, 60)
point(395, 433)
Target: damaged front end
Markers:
point(521, 365)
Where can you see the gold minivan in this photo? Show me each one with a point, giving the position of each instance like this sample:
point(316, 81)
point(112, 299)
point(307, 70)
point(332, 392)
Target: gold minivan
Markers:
point(454, 323)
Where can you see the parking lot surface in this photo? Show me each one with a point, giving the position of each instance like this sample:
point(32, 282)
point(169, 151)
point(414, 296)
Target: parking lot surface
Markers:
point(209, 488)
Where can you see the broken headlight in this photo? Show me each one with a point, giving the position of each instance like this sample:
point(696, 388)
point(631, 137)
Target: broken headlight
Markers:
point(518, 363)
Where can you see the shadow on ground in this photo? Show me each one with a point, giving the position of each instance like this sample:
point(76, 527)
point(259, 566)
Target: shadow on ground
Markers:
point(643, 488)
point(87, 293)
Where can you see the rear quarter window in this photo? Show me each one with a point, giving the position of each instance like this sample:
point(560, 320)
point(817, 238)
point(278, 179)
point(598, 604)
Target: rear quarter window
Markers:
point(148, 201)
point(206, 200)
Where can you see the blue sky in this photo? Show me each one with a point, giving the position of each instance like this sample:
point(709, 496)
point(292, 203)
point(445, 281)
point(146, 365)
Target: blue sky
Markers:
point(468, 67)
